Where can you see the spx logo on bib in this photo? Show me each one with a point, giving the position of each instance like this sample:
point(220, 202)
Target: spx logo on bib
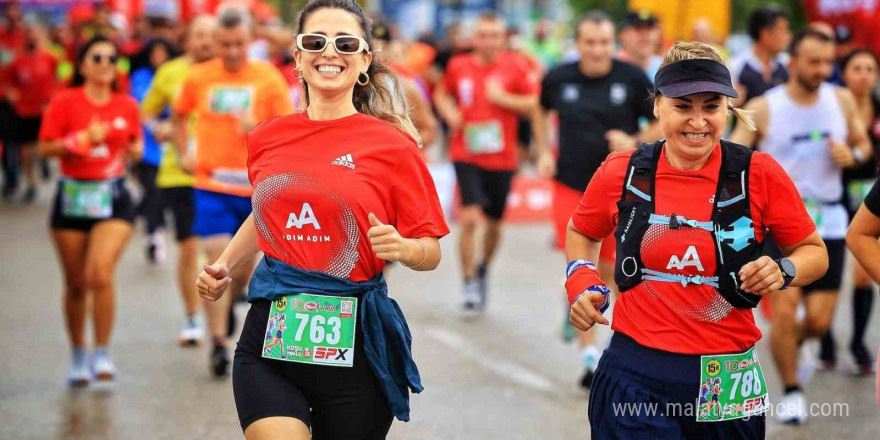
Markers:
point(691, 258)
point(738, 235)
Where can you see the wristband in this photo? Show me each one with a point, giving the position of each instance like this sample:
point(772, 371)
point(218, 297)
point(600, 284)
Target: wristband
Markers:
point(425, 257)
point(77, 143)
point(601, 288)
point(577, 264)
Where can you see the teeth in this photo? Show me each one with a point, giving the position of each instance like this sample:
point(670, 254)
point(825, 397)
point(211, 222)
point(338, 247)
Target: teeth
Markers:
point(695, 136)
point(333, 70)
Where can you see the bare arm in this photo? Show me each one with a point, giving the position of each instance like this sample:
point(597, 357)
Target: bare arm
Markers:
point(243, 246)
point(584, 312)
point(580, 247)
point(447, 108)
point(540, 131)
point(763, 276)
point(51, 148)
point(861, 239)
point(422, 116)
point(522, 104)
point(810, 258)
point(858, 133)
point(214, 278)
point(416, 254)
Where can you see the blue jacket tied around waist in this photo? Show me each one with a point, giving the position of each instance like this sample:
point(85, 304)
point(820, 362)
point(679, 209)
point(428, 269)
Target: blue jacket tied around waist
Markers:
point(387, 340)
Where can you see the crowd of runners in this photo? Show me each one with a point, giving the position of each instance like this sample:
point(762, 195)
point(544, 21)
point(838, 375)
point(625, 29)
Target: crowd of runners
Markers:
point(291, 164)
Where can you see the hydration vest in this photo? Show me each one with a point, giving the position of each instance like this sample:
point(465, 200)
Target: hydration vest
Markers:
point(731, 224)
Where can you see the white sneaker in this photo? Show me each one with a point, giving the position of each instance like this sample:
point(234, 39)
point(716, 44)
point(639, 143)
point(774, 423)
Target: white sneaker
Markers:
point(192, 332)
point(103, 368)
point(473, 300)
point(79, 375)
point(806, 363)
point(792, 409)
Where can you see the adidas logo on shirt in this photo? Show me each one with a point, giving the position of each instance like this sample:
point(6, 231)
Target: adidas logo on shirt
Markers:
point(345, 161)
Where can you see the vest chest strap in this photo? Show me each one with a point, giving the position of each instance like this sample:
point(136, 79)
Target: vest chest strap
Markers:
point(656, 219)
point(653, 275)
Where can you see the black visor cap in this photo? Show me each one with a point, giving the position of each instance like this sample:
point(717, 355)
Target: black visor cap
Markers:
point(689, 77)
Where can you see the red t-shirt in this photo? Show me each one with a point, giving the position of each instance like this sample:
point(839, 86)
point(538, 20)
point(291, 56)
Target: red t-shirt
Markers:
point(694, 319)
point(32, 75)
point(315, 182)
point(489, 134)
point(70, 110)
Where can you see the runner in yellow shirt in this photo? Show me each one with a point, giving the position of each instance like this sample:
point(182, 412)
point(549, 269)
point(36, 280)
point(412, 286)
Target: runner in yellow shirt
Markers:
point(176, 185)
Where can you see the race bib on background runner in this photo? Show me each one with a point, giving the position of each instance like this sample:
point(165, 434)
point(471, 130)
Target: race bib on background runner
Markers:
point(312, 329)
point(732, 386)
point(93, 200)
point(858, 190)
point(484, 137)
point(230, 100)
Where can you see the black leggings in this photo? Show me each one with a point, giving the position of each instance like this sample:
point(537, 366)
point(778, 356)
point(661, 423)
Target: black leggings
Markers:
point(335, 402)
point(150, 206)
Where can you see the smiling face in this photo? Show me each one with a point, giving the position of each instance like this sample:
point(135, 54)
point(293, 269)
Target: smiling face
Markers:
point(329, 73)
point(99, 64)
point(692, 124)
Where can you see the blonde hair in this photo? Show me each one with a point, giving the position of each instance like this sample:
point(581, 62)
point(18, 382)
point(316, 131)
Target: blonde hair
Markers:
point(693, 50)
point(384, 97)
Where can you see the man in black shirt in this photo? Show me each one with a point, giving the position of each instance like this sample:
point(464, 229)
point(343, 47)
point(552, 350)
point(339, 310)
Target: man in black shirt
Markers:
point(601, 104)
point(861, 237)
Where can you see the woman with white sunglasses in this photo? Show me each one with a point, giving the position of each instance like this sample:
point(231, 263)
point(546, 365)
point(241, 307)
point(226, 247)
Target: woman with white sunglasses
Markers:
point(338, 190)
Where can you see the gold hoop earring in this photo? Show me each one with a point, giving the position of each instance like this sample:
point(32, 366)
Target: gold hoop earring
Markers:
point(364, 82)
point(295, 70)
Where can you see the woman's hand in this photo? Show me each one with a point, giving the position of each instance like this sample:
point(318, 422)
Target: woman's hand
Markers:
point(761, 277)
point(585, 310)
point(213, 281)
point(387, 242)
point(97, 130)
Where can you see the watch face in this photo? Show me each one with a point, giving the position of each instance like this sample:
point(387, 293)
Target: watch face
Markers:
point(787, 267)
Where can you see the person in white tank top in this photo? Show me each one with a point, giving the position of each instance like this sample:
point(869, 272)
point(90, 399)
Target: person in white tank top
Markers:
point(811, 128)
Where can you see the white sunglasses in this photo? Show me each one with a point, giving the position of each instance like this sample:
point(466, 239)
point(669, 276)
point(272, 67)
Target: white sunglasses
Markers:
point(345, 44)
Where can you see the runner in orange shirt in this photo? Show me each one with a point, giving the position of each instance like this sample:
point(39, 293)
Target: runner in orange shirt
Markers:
point(227, 96)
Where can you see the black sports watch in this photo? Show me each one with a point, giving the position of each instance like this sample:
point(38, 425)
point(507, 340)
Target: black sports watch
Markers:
point(788, 271)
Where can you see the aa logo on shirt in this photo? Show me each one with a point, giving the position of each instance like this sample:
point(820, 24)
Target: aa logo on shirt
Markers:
point(690, 258)
point(281, 304)
point(306, 217)
point(570, 92)
point(618, 93)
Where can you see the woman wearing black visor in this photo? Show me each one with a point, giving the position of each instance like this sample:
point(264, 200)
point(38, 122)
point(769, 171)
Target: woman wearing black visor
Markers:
point(689, 215)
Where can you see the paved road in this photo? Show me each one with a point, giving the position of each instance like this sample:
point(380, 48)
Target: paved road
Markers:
point(506, 375)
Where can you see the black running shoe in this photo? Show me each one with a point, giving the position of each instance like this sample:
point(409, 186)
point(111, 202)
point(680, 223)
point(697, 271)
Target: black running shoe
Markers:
point(30, 195)
point(827, 352)
point(864, 361)
point(587, 379)
point(220, 361)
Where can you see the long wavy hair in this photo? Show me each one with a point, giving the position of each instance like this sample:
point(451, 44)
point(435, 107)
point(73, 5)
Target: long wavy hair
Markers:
point(384, 96)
